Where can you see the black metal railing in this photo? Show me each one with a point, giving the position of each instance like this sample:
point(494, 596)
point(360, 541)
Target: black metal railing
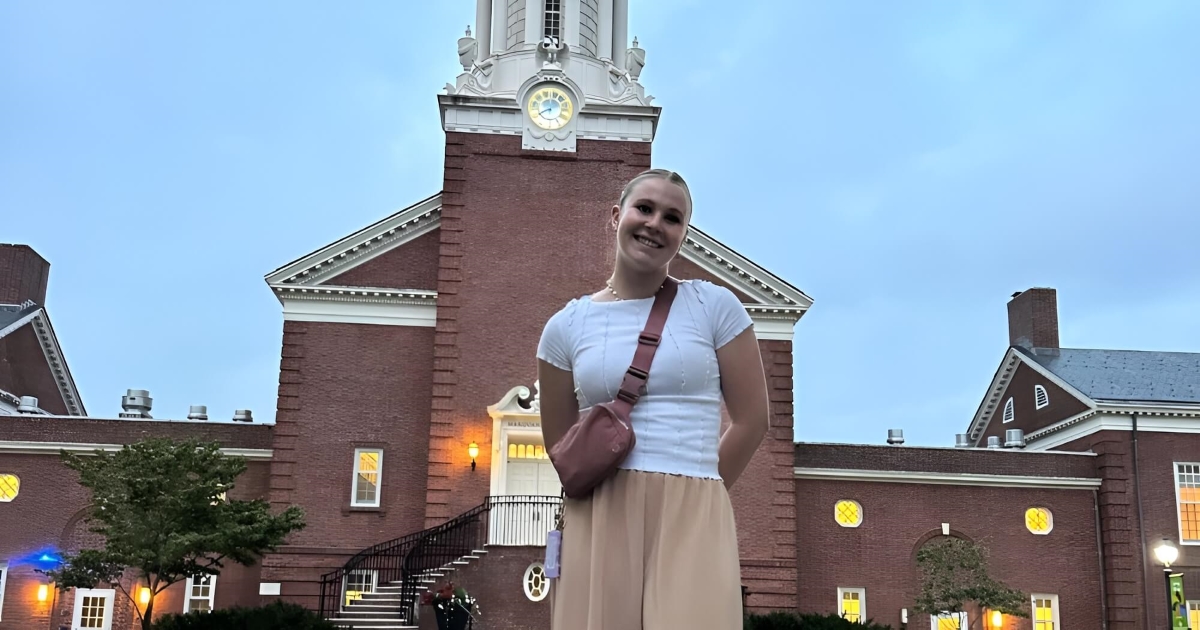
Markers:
point(508, 520)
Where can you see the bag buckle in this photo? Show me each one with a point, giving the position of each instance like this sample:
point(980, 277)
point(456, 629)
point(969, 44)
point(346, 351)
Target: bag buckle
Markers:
point(627, 396)
point(649, 339)
point(638, 374)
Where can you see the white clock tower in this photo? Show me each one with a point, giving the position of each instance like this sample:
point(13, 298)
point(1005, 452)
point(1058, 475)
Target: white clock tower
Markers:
point(553, 72)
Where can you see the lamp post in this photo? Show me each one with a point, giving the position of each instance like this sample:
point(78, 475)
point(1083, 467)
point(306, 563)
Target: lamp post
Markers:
point(1167, 553)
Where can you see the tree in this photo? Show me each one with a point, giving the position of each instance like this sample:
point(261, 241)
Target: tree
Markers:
point(954, 574)
point(161, 507)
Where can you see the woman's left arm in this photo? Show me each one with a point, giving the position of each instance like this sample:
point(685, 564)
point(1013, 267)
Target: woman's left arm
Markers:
point(744, 387)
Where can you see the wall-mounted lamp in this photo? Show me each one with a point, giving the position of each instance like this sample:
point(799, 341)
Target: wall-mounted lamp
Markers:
point(144, 596)
point(43, 592)
point(997, 620)
point(473, 451)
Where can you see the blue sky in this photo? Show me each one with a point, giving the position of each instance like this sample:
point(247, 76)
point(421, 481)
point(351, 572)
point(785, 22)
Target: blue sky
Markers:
point(909, 165)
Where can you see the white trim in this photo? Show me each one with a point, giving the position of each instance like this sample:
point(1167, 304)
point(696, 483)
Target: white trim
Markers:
point(374, 584)
point(1008, 367)
point(212, 593)
point(3, 580)
point(1179, 503)
point(862, 602)
point(1041, 397)
point(1105, 419)
point(1054, 609)
point(354, 502)
point(1009, 412)
point(952, 479)
point(302, 306)
point(737, 270)
point(53, 448)
point(108, 594)
point(52, 351)
point(525, 582)
point(772, 329)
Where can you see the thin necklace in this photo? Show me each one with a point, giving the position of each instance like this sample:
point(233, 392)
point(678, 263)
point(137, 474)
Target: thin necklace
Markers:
point(617, 297)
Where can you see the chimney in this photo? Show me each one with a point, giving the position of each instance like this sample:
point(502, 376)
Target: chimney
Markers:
point(895, 437)
point(243, 415)
point(28, 404)
point(198, 412)
point(23, 275)
point(993, 441)
point(961, 441)
point(1033, 319)
point(1014, 438)
point(136, 404)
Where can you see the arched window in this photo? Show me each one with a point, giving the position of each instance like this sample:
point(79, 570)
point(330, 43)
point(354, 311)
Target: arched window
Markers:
point(1040, 395)
point(1008, 410)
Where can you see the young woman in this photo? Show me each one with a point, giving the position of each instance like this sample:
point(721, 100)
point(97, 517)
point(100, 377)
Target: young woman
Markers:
point(655, 546)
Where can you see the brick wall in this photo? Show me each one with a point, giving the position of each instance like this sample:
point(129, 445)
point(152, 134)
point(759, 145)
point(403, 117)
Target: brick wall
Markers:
point(1033, 319)
point(410, 266)
point(25, 372)
point(945, 460)
point(496, 580)
point(342, 387)
point(127, 431)
point(880, 554)
point(24, 274)
point(1026, 415)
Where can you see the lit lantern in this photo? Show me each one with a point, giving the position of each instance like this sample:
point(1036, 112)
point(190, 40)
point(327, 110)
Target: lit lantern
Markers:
point(997, 620)
point(144, 596)
point(473, 451)
point(43, 592)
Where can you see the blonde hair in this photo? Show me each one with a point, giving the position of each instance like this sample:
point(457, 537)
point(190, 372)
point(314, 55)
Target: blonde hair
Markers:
point(659, 173)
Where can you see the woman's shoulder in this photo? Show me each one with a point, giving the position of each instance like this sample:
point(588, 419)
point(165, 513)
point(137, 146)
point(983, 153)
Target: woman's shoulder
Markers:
point(565, 315)
point(709, 293)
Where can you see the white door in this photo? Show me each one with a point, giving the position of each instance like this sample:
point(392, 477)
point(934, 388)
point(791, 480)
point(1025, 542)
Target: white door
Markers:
point(521, 517)
point(93, 608)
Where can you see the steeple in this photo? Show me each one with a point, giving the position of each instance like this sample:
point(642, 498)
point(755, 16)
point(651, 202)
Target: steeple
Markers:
point(552, 71)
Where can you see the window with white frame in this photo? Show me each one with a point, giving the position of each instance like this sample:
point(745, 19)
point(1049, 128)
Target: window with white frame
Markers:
point(1045, 612)
point(10, 487)
point(3, 579)
point(200, 594)
point(1194, 613)
point(1187, 497)
point(359, 583)
point(553, 19)
point(949, 621)
point(1008, 410)
point(1040, 397)
point(852, 604)
point(368, 466)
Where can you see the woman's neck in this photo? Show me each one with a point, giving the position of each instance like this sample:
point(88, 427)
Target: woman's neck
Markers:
point(630, 285)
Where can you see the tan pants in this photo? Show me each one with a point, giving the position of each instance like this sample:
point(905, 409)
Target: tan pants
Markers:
point(649, 551)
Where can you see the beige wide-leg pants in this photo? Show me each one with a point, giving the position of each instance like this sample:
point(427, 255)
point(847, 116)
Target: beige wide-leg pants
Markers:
point(649, 551)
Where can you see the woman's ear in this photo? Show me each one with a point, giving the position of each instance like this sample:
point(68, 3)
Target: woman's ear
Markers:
point(616, 217)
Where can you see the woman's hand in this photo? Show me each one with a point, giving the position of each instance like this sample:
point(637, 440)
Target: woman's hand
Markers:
point(744, 387)
point(560, 408)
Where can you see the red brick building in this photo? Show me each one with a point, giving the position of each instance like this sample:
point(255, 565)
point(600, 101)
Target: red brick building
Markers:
point(407, 422)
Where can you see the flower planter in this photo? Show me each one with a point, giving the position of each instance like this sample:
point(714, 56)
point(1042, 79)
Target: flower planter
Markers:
point(452, 617)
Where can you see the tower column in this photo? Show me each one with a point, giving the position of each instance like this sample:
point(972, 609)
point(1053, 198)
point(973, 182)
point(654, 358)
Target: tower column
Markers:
point(620, 32)
point(533, 22)
point(483, 27)
point(605, 34)
point(499, 25)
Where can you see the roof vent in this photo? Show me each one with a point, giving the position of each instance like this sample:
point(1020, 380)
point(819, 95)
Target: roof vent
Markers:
point(961, 441)
point(243, 415)
point(1014, 438)
point(896, 436)
point(136, 404)
point(994, 441)
point(28, 404)
point(197, 412)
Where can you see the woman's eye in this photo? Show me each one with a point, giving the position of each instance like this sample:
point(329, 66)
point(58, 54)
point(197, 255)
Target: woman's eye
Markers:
point(672, 218)
point(644, 209)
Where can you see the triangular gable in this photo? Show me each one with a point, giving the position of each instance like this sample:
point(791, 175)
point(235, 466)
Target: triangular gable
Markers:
point(998, 390)
point(38, 320)
point(770, 296)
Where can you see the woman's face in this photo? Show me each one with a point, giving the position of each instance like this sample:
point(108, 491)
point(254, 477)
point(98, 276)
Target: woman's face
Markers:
point(651, 224)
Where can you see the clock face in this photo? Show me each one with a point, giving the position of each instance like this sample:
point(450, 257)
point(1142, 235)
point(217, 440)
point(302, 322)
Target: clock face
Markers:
point(550, 108)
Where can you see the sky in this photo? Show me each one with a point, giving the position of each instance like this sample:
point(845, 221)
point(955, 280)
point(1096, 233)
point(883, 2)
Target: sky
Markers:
point(908, 165)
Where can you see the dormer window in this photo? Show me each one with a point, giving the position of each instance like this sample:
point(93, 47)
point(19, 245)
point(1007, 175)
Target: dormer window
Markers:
point(552, 19)
point(1040, 395)
point(1008, 410)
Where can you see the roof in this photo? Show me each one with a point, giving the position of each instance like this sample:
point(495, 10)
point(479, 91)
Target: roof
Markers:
point(14, 317)
point(1124, 375)
point(12, 313)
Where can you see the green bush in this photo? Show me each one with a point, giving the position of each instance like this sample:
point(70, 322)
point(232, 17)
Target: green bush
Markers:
point(275, 616)
point(792, 621)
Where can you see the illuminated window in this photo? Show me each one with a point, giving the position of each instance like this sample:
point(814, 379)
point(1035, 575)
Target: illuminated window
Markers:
point(10, 485)
point(1039, 520)
point(358, 583)
point(1045, 612)
point(368, 463)
point(1187, 492)
point(848, 513)
point(200, 593)
point(537, 585)
point(852, 603)
point(1194, 613)
point(1040, 395)
point(950, 621)
point(1008, 410)
point(527, 451)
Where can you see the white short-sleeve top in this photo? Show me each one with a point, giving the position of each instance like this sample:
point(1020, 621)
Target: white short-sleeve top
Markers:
point(678, 421)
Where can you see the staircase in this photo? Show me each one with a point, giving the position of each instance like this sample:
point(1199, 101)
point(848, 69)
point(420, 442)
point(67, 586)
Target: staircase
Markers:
point(389, 578)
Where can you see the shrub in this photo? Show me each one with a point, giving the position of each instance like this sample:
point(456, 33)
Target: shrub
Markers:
point(792, 621)
point(275, 616)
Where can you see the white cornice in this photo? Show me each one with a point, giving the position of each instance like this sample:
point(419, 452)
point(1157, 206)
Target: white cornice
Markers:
point(1110, 418)
point(953, 479)
point(737, 270)
point(773, 329)
point(53, 448)
point(356, 305)
point(52, 351)
point(1013, 359)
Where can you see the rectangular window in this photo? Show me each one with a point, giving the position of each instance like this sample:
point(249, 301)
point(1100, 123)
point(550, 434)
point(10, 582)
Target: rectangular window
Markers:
point(950, 621)
point(1194, 613)
point(200, 594)
point(852, 604)
point(3, 579)
point(1045, 612)
point(359, 582)
point(368, 465)
point(553, 18)
point(1187, 496)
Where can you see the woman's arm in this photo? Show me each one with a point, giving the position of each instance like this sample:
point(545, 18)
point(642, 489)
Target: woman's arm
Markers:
point(744, 387)
point(560, 409)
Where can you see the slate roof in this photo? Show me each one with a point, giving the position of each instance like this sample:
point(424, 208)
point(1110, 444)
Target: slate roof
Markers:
point(12, 313)
point(1125, 375)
